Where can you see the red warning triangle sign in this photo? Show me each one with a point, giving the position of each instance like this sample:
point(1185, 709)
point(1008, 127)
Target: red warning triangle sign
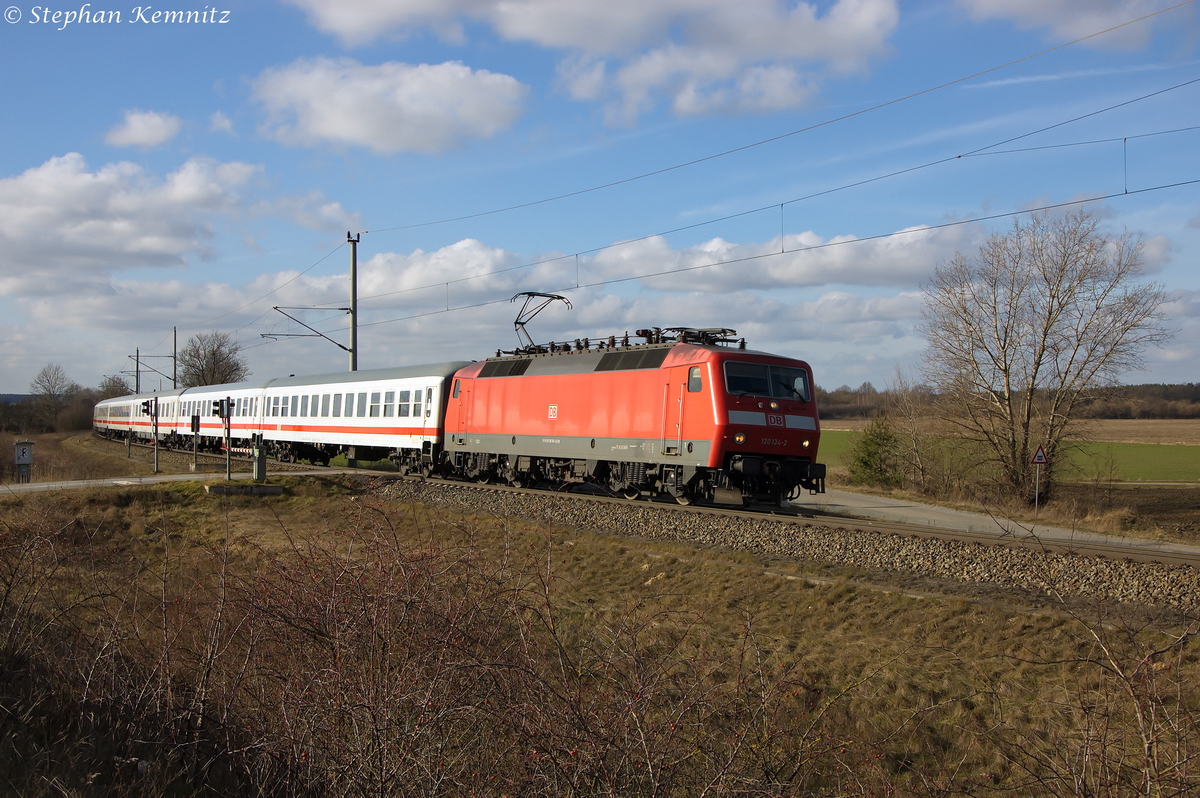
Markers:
point(1040, 458)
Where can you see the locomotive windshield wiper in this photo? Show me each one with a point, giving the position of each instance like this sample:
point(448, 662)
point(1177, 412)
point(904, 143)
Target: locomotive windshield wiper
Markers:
point(790, 389)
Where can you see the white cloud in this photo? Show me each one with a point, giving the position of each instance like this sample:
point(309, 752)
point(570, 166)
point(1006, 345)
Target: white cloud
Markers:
point(702, 56)
point(1070, 19)
point(144, 129)
point(902, 259)
point(850, 316)
point(388, 108)
point(312, 210)
point(88, 223)
point(219, 123)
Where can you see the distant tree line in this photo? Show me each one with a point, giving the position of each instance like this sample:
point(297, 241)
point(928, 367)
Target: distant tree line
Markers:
point(1152, 400)
point(56, 403)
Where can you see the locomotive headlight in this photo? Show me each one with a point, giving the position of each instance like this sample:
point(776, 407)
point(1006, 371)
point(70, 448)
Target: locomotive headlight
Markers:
point(774, 405)
point(739, 438)
point(805, 443)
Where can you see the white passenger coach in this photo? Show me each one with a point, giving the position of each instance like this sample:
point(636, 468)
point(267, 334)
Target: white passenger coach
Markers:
point(396, 412)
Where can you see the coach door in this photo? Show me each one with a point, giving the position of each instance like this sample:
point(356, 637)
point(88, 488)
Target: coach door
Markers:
point(461, 396)
point(428, 414)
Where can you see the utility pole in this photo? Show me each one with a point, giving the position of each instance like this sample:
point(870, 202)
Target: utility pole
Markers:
point(352, 451)
point(174, 358)
point(353, 240)
point(137, 367)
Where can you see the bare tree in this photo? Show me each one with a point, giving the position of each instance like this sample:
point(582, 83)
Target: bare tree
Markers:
point(113, 385)
point(52, 391)
point(1020, 334)
point(210, 359)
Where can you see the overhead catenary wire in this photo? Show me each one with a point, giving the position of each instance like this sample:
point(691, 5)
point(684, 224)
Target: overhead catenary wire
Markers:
point(810, 248)
point(696, 161)
point(912, 230)
point(781, 136)
point(752, 145)
point(977, 152)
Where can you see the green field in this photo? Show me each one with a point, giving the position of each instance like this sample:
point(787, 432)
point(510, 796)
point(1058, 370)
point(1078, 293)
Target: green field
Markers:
point(1133, 462)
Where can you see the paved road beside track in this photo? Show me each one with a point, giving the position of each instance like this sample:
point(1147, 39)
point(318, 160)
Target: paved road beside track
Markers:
point(901, 511)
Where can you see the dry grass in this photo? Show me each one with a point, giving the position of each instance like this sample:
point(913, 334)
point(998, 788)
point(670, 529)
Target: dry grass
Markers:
point(60, 456)
point(330, 642)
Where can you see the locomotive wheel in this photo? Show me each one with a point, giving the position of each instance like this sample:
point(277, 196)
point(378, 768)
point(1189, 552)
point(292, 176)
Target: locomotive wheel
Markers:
point(630, 492)
point(483, 477)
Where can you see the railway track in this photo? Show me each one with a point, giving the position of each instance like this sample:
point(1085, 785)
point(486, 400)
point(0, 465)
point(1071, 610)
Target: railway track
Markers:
point(1082, 545)
point(993, 567)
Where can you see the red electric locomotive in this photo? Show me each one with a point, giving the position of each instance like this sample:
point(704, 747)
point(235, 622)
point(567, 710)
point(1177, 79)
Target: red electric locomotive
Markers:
point(690, 414)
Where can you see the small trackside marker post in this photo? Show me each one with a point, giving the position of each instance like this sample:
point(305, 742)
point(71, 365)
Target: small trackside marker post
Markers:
point(1038, 461)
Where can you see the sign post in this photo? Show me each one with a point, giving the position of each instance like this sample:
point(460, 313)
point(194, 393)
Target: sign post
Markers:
point(1038, 461)
point(23, 459)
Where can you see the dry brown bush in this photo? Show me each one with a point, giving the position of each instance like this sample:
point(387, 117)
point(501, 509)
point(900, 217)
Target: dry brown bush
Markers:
point(396, 653)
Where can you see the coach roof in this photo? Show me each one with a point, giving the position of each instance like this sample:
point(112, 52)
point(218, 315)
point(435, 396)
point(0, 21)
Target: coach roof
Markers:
point(439, 370)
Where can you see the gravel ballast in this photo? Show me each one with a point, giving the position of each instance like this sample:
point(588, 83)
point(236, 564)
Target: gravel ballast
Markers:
point(921, 563)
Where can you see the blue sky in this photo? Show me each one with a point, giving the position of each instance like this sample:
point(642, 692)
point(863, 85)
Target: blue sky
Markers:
point(157, 173)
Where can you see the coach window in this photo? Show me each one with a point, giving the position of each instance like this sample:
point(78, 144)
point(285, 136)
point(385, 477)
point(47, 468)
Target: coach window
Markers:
point(375, 404)
point(304, 406)
point(362, 404)
point(402, 407)
point(275, 406)
point(325, 406)
point(416, 404)
point(389, 401)
point(313, 407)
point(283, 407)
point(337, 405)
point(694, 383)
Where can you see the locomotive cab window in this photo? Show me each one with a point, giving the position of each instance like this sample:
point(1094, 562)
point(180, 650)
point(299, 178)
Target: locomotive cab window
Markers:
point(694, 383)
point(760, 379)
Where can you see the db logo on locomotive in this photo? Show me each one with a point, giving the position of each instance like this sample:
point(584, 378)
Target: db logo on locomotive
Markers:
point(774, 420)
